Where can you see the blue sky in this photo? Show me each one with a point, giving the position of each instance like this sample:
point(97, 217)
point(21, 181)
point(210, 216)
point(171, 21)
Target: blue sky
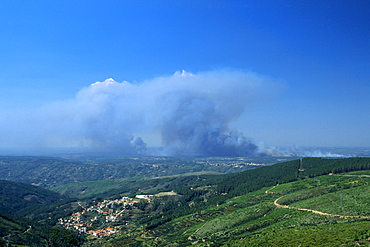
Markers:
point(318, 52)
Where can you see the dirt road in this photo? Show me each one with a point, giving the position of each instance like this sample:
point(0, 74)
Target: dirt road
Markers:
point(277, 204)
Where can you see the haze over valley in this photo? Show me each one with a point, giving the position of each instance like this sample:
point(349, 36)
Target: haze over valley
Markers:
point(185, 78)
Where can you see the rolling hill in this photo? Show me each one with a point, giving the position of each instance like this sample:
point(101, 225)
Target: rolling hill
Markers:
point(50, 172)
point(326, 210)
point(294, 203)
point(27, 214)
point(302, 202)
point(15, 197)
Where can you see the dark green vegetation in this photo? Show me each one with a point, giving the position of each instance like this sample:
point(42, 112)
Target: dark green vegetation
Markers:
point(34, 203)
point(17, 196)
point(27, 214)
point(16, 231)
point(110, 189)
point(240, 209)
point(316, 166)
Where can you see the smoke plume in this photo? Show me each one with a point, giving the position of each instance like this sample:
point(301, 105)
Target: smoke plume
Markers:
point(299, 152)
point(182, 114)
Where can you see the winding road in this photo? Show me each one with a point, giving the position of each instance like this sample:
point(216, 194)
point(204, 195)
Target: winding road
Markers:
point(278, 205)
point(317, 212)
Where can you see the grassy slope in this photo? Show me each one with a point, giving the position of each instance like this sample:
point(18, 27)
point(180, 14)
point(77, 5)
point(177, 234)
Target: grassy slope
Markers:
point(289, 227)
point(254, 220)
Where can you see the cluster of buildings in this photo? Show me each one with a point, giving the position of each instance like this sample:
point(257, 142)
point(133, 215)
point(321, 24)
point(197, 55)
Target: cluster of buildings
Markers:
point(234, 164)
point(104, 232)
point(105, 212)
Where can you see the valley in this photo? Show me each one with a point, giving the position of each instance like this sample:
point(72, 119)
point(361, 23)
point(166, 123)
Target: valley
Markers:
point(301, 202)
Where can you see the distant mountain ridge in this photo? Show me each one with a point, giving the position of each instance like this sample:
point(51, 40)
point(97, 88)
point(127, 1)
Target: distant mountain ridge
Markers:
point(49, 172)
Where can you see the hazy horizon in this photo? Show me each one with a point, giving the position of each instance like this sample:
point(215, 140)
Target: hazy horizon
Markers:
point(187, 77)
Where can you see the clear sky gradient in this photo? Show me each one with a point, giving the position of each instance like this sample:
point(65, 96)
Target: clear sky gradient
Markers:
point(318, 52)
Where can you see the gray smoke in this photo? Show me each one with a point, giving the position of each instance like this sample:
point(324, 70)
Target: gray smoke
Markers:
point(195, 127)
point(183, 114)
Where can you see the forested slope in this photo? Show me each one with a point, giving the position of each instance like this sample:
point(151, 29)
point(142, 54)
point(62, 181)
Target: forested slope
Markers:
point(216, 191)
point(319, 166)
point(27, 214)
point(17, 196)
point(15, 231)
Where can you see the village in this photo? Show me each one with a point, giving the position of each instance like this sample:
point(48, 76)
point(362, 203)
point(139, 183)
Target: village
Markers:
point(232, 163)
point(105, 218)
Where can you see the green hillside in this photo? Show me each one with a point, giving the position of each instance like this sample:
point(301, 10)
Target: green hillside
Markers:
point(279, 205)
point(318, 166)
point(39, 209)
point(303, 202)
point(255, 220)
point(27, 214)
point(15, 231)
point(129, 186)
point(15, 197)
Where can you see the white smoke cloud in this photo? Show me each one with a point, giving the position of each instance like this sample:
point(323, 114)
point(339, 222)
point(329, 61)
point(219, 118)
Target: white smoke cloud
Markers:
point(298, 152)
point(189, 114)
